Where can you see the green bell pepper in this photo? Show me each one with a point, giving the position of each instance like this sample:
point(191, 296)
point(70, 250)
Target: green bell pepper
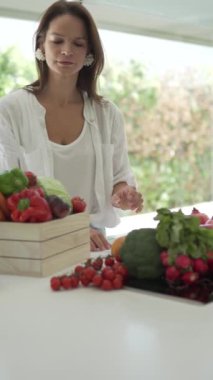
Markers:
point(12, 181)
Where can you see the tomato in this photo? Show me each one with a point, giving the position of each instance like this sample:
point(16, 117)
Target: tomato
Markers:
point(89, 272)
point(117, 282)
point(55, 283)
point(97, 280)
point(106, 285)
point(97, 263)
point(66, 282)
point(108, 273)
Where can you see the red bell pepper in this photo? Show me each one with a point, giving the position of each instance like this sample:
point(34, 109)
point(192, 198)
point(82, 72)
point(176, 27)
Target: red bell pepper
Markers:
point(29, 205)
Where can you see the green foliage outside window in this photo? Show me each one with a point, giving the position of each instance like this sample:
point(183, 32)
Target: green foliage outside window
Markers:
point(169, 131)
point(15, 70)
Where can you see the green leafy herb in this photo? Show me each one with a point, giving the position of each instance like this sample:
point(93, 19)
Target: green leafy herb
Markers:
point(180, 233)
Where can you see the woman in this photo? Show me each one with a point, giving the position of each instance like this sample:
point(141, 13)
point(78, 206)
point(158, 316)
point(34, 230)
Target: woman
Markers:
point(59, 126)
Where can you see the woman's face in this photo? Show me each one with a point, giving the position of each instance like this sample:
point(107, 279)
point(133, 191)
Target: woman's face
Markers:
point(66, 45)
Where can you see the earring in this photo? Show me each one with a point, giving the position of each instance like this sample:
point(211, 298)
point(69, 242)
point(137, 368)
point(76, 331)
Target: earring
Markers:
point(89, 60)
point(40, 55)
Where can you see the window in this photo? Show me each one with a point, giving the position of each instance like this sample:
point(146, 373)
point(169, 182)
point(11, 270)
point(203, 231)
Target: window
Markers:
point(165, 91)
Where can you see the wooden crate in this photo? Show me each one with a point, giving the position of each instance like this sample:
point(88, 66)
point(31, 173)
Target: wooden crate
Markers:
point(41, 249)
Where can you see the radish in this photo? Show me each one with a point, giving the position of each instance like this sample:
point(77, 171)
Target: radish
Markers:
point(190, 277)
point(200, 266)
point(164, 258)
point(210, 261)
point(172, 274)
point(183, 262)
point(209, 223)
point(200, 215)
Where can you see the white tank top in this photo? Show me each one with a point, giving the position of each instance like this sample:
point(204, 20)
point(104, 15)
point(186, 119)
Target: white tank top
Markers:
point(74, 165)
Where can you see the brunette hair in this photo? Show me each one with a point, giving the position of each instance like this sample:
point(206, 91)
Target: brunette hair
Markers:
point(87, 79)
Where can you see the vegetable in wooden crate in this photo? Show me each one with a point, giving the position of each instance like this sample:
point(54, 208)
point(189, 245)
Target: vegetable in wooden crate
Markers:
point(26, 197)
point(140, 253)
point(4, 211)
point(52, 186)
point(58, 207)
point(29, 205)
point(12, 181)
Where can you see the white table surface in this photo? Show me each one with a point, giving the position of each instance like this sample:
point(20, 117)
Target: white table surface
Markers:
point(91, 334)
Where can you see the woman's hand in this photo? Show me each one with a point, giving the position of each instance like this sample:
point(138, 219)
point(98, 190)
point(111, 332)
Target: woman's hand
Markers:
point(127, 198)
point(98, 241)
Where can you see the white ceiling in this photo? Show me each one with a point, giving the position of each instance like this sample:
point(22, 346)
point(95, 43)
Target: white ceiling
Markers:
point(189, 20)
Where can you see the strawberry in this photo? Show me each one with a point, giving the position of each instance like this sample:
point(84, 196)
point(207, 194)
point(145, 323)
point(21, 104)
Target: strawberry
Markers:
point(78, 204)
